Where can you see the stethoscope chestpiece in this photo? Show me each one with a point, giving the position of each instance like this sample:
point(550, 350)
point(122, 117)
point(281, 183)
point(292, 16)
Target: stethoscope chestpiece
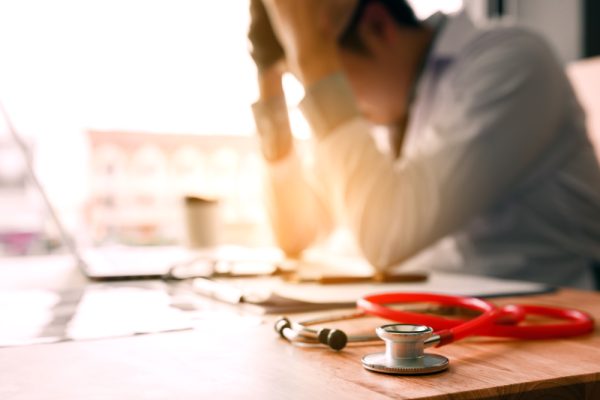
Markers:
point(404, 351)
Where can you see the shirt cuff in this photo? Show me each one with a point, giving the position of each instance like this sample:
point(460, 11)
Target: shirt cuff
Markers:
point(273, 126)
point(328, 104)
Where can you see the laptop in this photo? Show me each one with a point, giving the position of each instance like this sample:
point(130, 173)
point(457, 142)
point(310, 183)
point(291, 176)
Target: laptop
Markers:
point(115, 262)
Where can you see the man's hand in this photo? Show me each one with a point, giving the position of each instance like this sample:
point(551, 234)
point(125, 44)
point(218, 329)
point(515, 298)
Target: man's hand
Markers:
point(308, 31)
point(264, 46)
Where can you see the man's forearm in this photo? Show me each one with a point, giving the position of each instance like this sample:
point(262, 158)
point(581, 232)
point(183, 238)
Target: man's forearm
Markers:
point(269, 83)
point(295, 213)
point(271, 116)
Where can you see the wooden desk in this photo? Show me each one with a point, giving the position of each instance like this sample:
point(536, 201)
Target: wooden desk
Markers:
point(241, 360)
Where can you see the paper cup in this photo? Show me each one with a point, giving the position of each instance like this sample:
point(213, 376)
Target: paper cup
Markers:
point(202, 222)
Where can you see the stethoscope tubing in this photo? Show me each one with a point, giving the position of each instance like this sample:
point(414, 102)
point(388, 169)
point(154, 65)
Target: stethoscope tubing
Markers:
point(577, 323)
point(493, 321)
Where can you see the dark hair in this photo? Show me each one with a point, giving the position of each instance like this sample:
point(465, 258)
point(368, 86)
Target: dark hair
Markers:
point(402, 13)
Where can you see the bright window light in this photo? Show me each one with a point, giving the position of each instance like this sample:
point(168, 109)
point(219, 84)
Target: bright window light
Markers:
point(425, 8)
point(151, 65)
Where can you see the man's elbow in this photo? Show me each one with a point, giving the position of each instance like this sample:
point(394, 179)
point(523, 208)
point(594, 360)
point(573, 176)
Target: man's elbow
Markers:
point(291, 249)
point(384, 250)
point(293, 243)
point(377, 255)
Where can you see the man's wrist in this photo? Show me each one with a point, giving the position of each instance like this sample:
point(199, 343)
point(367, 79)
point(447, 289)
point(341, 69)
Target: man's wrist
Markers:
point(317, 64)
point(269, 82)
point(328, 104)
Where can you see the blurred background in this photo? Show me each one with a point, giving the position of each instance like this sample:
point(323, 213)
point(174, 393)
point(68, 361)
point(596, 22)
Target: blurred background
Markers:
point(129, 105)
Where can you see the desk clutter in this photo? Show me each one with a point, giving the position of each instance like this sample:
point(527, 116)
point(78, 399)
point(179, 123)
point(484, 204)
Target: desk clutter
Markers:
point(100, 311)
point(321, 282)
point(246, 290)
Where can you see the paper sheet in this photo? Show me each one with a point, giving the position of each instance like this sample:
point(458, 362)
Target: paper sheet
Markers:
point(101, 311)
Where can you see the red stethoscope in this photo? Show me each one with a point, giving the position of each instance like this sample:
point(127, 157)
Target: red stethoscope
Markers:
point(412, 332)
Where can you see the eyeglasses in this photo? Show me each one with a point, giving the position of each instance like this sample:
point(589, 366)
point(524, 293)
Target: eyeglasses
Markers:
point(207, 267)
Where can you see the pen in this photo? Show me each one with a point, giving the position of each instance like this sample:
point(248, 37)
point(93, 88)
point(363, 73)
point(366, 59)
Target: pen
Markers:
point(348, 279)
point(218, 290)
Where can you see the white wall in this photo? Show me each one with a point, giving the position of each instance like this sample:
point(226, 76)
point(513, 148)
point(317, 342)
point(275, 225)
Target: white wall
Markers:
point(559, 21)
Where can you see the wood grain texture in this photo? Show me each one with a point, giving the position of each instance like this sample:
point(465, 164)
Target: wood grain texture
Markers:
point(235, 358)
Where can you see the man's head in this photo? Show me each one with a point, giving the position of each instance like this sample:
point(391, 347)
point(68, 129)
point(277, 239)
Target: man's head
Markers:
point(381, 50)
point(399, 10)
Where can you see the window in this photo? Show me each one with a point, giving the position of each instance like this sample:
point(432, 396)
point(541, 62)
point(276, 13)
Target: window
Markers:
point(151, 65)
point(424, 8)
point(166, 66)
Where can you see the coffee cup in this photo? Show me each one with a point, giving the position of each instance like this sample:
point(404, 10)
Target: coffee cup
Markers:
point(202, 222)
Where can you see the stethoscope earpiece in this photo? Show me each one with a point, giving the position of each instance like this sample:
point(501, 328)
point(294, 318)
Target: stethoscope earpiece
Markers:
point(281, 324)
point(334, 338)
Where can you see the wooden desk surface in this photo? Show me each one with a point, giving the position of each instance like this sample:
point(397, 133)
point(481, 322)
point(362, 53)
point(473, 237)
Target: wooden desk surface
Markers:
point(238, 359)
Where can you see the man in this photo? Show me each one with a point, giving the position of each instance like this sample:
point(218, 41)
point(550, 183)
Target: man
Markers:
point(488, 145)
